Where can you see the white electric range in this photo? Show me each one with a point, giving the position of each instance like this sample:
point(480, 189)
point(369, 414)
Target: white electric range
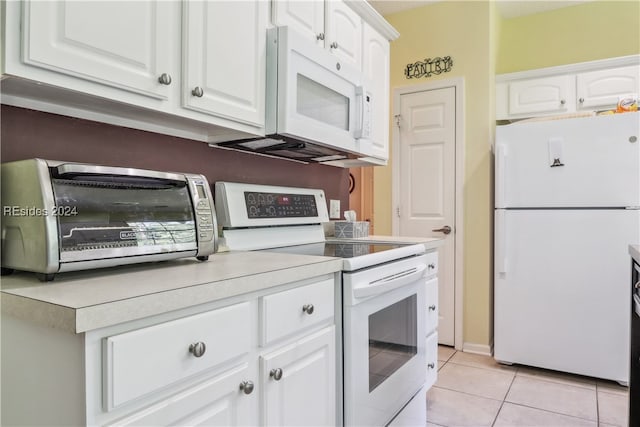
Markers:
point(383, 291)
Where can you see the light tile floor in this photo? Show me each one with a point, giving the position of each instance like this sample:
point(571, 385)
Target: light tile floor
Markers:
point(474, 390)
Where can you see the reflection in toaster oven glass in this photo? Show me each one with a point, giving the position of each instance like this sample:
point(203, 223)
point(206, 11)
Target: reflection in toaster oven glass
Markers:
point(118, 212)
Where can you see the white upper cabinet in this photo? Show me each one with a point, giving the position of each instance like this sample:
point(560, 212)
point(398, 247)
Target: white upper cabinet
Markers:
point(568, 89)
point(375, 60)
point(544, 95)
point(602, 88)
point(330, 24)
point(344, 32)
point(224, 58)
point(305, 17)
point(126, 45)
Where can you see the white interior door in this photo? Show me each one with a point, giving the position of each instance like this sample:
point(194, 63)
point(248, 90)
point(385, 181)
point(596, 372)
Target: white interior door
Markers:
point(427, 171)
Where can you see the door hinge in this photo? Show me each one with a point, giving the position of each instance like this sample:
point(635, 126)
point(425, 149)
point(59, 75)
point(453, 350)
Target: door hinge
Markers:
point(397, 119)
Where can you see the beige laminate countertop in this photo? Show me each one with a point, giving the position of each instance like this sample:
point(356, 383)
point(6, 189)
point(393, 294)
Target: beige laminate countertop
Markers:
point(86, 300)
point(634, 251)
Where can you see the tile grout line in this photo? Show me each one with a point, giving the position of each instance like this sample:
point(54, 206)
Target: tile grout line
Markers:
point(504, 399)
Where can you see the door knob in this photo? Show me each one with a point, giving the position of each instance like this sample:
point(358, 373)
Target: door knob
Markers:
point(165, 79)
point(246, 387)
point(198, 349)
point(446, 229)
point(197, 91)
point(276, 374)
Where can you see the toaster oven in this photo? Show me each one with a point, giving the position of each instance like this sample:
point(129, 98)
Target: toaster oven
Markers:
point(62, 216)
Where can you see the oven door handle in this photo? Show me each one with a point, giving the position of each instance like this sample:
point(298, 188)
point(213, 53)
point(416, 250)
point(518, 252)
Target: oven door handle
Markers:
point(390, 282)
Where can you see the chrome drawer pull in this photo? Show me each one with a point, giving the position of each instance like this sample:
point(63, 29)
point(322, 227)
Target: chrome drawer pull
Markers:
point(308, 308)
point(246, 387)
point(276, 374)
point(431, 365)
point(432, 307)
point(198, 349)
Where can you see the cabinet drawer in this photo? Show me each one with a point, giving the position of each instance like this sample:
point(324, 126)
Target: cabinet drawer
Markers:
point(432, 359)
point(291, 311)
point(144, 360)
point(432, 263)
point(432, 305)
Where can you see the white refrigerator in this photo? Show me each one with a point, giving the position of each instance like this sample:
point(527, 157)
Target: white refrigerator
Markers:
point(567, 201)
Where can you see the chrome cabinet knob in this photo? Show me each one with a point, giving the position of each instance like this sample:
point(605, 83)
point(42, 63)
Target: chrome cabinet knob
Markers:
point(562, 101)
point(165, 79)
point(431, 266)
point(198, 349)
point(246, 387)
point(581, 100)
point(432, 307)
point(334, 45)
point(276, 374)
point(197, 91)
point(320, 36)
point(308, 308)
point(431, 365)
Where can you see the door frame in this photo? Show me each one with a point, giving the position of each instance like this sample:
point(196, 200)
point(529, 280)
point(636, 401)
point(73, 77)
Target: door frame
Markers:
point(458, 84)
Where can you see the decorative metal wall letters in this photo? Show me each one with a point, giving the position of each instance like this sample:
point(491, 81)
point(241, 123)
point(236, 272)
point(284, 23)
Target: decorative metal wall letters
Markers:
point(429, 67)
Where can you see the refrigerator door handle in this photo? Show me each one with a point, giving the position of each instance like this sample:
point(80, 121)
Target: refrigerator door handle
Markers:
point(501, 164)
point(501, 242)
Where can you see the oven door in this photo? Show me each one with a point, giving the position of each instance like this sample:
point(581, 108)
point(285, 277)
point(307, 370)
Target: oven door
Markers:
point(384, 348)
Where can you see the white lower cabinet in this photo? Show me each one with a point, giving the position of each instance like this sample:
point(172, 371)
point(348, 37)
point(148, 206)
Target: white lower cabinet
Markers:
point(299, 382)
point(218, 401)
point(202, 365)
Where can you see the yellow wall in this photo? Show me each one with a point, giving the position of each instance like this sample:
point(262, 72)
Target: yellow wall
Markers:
point(483, 44)
point(586, 32)
point(460, 30)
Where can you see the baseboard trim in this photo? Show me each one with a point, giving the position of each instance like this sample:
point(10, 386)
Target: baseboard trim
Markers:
point(484, 349)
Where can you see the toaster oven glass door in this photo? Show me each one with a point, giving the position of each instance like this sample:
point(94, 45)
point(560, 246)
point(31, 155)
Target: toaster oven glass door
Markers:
point(115, 216)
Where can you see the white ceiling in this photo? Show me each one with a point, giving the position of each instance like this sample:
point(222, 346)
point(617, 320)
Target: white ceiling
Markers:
point(507, 8)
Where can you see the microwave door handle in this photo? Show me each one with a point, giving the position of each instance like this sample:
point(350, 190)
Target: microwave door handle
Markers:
point(395, 281)
point(81, 169)
point(360, 97)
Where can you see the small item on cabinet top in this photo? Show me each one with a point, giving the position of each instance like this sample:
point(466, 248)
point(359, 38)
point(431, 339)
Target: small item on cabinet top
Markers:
point(627, 103)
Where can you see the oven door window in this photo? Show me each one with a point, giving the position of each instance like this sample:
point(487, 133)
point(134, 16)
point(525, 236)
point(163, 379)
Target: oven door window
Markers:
point(101, 216)
point(393, 339)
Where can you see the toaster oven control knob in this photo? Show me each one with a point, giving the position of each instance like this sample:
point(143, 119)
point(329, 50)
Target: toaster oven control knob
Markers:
point(246, 387)
point(197, 91)
point(308, 308)
point(165, 79)
point(198, 349)
point(276, 374)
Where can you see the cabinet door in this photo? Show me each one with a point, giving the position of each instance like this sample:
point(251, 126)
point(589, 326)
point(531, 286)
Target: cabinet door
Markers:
point(432, 305)
point(544, 95)
point(375, 62)
point(122, 44)
point(432, 360)
point(344, 32)
point(219, 401)
point(305, 17)
point(301, 390)
point(224, 43)
point(602, 88)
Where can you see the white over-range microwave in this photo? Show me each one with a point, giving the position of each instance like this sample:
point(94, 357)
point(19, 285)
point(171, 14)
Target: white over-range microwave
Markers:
point(318, 108)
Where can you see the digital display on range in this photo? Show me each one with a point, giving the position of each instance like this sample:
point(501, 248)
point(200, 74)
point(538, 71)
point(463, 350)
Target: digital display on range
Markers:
point(279, 205)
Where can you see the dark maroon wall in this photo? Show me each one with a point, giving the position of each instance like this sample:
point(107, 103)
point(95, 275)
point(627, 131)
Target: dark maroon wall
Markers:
point(26, 134)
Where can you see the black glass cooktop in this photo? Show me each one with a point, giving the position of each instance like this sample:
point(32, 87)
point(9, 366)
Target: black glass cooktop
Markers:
point(337, 249)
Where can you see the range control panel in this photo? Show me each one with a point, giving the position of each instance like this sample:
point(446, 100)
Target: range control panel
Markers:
point(279, 205)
